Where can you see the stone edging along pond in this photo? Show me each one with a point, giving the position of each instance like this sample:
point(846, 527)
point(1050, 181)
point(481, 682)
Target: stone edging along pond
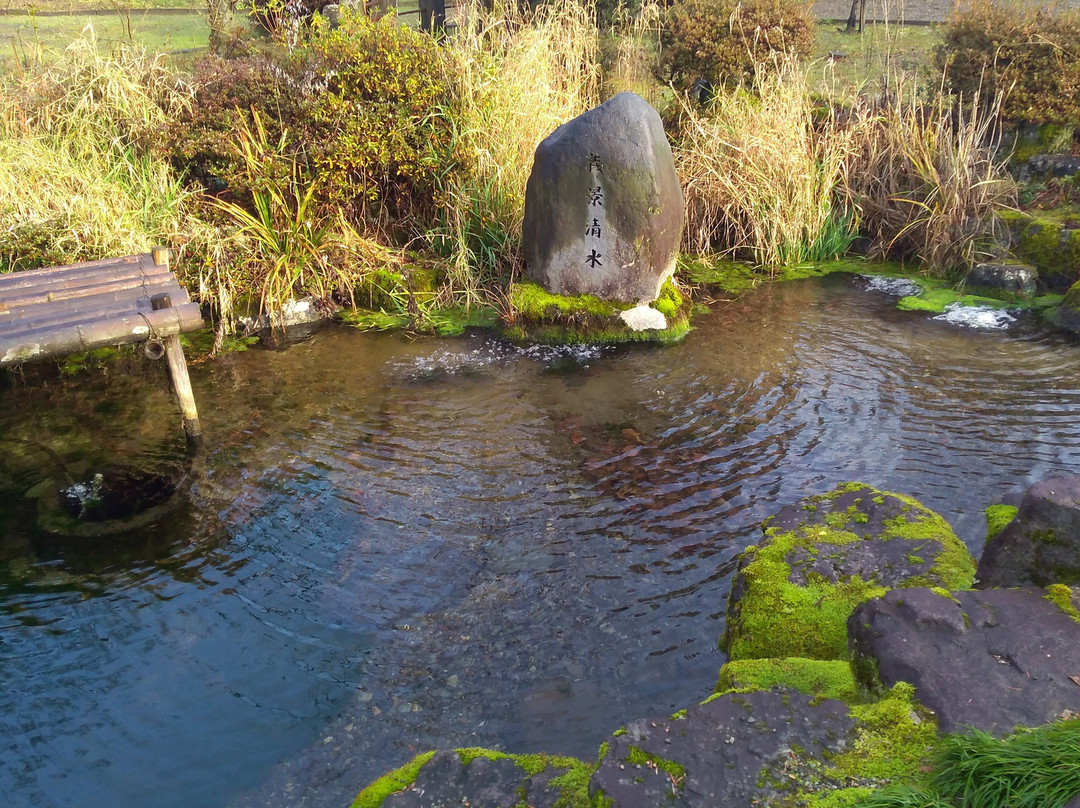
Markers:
point(855, 639)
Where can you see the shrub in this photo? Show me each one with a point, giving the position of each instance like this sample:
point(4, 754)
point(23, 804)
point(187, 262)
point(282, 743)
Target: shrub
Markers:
point(202, 144)
point(725, 41)
point(1027, 53)
point(372, 136)
point(282, 18)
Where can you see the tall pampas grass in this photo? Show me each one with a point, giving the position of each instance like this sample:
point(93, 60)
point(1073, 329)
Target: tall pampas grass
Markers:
point(519, 74)
point(760, 171)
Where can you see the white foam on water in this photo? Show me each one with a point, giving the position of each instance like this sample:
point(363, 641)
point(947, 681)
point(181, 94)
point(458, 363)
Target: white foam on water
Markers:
point(976, 316)
point(446, 362)
point(901, 287)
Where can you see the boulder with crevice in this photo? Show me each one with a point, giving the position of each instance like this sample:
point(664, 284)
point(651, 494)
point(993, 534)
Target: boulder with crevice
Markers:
point(994, 660)
point(1041, 545)
point(821, 557)
point(713, 754)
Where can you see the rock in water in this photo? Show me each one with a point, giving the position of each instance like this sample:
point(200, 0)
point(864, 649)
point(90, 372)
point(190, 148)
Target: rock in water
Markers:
point(993, 659)
point(603, 207)
point(1041, 545)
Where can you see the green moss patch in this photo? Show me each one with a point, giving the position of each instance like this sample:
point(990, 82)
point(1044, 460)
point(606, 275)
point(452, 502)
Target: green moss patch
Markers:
point(997, 517)
point(723, 276)
point(892, 742)
point(793, 594)
point(936, 298)
point(1045, 242)
point(399, 779)
point(894, 738)
point(450, 321)
point(639, 757)
point(540, 316)
point(572, 783)
point(1062, 597)
point(821, 679)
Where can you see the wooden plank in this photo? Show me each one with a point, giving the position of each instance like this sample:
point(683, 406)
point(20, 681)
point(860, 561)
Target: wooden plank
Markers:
point(123, 329)
point(127, 290)
point(73, 280)
point(61, 310)
point(132, 288)
point(12, 284)
point(57, 320)
point(31, 276)
point(98, 300)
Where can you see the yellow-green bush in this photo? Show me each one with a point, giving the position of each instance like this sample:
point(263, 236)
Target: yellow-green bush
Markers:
point(1024, 51)
point(202, 144)
point(372, 136)
point(726, 41)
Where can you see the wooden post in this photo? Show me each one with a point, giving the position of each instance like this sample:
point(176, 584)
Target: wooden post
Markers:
point(174, 354)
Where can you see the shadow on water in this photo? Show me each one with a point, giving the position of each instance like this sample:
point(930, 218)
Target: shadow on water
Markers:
point(392, 544)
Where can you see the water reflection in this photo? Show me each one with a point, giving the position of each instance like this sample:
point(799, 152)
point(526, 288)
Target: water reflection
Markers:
point(393, 544)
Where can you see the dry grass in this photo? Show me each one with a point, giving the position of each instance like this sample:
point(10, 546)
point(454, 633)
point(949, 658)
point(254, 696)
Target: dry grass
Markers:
point(926, 179)
point(519, 75)
point(636, 57)
point(760, 173)
point(77, 176)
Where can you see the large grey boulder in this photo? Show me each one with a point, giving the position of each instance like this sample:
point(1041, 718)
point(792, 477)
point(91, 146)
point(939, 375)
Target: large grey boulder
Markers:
point(993, 660)
point(1041, 545)
point(603, 207)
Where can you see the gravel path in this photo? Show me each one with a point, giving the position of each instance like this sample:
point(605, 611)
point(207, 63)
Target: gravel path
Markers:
point(880, 10)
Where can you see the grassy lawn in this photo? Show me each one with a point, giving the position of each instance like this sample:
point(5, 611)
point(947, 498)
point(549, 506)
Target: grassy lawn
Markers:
point(67, 6)
point(30, 34)
point(869, 56)
point(865, 57)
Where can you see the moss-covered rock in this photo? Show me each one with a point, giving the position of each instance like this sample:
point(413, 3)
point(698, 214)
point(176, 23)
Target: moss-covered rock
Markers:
point(820, 558)
point(540, 316)
point(1067, 314)
point(1050, 245)
point(1065, 598)
point(817, 678)
point(997, 517)
point(483, 777)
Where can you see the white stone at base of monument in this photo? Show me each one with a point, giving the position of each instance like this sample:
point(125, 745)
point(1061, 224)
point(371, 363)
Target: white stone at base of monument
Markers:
point(644, 318)
point(603, 207)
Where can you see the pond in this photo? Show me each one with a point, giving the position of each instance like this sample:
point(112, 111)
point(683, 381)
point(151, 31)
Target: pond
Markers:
point(390, 544)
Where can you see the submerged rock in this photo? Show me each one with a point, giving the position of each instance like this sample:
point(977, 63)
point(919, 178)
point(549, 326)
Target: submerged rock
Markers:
point(1041, 545)
point(821, 557)
point(113, 499)
point(603, 207)
point(994, 660)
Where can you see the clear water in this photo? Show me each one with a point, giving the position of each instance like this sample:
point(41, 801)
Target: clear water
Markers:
point(392, 544)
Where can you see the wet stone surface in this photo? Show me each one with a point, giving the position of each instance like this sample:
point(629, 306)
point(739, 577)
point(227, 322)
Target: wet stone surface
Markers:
point(714, 754)
point(994, 659)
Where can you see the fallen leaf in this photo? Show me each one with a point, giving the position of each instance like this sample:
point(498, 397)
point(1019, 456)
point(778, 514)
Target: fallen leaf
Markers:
point(1076, 680)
